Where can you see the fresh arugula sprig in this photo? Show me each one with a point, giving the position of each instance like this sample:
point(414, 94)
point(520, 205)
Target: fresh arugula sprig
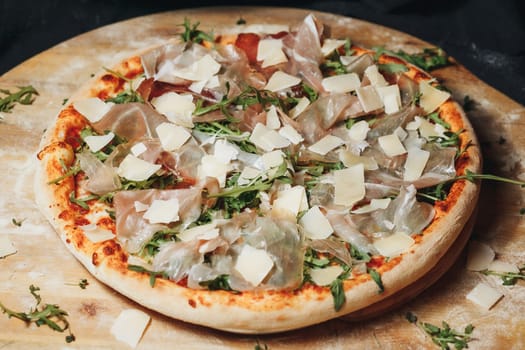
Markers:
point(221, 282)
point(83, 283)
point(443, 336)
point(376, 277)
point(127, 96)
point(508, 278)
point(428, 59)
point(229, 132)
point(68, 172)
point(24, 96)
point(50, 315)
point(193, 34)
point(160, 237)
point(81, 202)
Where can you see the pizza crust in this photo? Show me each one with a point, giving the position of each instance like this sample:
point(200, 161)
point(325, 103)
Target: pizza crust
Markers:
point(255, 312)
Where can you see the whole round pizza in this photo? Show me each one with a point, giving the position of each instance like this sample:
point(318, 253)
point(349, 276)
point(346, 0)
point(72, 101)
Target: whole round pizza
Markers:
point(260, 177)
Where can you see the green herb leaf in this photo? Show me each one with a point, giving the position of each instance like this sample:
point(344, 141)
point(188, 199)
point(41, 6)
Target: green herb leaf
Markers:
point(153, 275)
point(17, 222)
point(338, 293)
point(24, 96)
point(127, 96)
point(240, 21)
point(82, 202)
point(392, 67)
point(376, 277)
point(49, 314)
point(508, 278)
point(221, 282)
point(428, 59)
point(82, 284)
point(192, 34)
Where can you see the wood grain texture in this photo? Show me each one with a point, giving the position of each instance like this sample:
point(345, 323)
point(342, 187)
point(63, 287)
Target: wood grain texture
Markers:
point(44, 261)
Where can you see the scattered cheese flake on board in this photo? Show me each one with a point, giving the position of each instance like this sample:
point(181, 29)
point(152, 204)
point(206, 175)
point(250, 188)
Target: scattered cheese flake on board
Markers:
point(163, 211)
point(479, 256)
point(6, 246)
point(280, 81)
point(431, 98)
point(136, 169)
point(349, 185)
point(325, 276)
point(92, 108)
point(253, 264)
point(97, 142)
point(484, 295)
point(391, 145)
point(341, 83)
point(129, 326)
point(172, 136)
point(394, 244)
point(326, 144)
point(315, 225)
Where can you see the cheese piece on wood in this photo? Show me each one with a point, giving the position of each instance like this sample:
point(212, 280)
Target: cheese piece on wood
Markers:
point(503, 267)
point(484, 295)
point(92, 108)
point(479, 256)
point(253, 264)
point(130, 326)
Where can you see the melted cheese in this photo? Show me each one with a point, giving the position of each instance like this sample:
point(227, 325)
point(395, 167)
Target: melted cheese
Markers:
point(341, 83)
point(136, 169)
point(253, 264)
point(130, 326)
point(315, 225)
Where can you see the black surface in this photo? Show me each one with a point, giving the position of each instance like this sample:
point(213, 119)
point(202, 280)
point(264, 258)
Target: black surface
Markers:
point(488, 37)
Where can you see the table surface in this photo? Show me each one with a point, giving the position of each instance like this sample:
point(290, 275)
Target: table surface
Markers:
point(44, 261)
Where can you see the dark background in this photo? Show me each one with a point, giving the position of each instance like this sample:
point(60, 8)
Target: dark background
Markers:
point(488, 37)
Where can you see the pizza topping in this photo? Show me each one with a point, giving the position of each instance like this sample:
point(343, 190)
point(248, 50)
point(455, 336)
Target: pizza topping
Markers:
point(315, 225)
point(394, 244)
point(341, 83)
point(178, 108)
point(431, 98)
point(253, 264)
point(136, 169)
point(92, 108)
point(96, 143)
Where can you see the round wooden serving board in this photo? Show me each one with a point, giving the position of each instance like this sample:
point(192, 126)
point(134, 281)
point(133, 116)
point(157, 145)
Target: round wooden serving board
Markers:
point(42, 259)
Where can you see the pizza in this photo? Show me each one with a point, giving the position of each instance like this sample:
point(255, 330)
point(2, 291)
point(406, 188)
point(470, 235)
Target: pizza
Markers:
point(260, 179)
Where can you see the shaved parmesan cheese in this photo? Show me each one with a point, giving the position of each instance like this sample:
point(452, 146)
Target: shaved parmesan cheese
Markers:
point(96, 234)
point(427, 129)
point(326, 144)
point(163, 211)
point(138, 148)
point(349, 159)
point(375, 204)
point(172, 136)
point(225, 151)
point(341, 83)
point(484, 296)
point(6, 246)
point(376, 79)
point(431, 98)
point(315, 225)
point(272, 119)
point(325, 276)
point(203, 69)
point(479, 256)
point(247, 174)
point(267, 139)
point(291, 134)
point(503, 267)
point(253, 264)
point(415, 164)
point(96, 143)
point(136, 169)
point(391, 98)
point(329, 45)
point(272, 159)
point(290, 201)
point(213, 167)
point(299, 107)
point(129, 326)
point(369, 98)
point(359, 131)
point(92, 108)
point(140, 207)
point(394, 244)
point(391, 145)
point(280, 81)
point(202, 232)
point(401, 133)
point(270, 51)
point(349, 185)
point(176, 107)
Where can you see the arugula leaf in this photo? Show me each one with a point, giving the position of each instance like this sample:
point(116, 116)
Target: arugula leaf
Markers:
point(126, 96)
point(24, 96)
point(153, 275)
point(508, 278)
point(160, 237)
point(428, 59)
point(229, 132)
point(82, 284)
point(338, 293)
point(377, 279)
point(443, 336)
point(221, 282)
point(82, 202)
point(192, 34)
point(437, 119)
point(392, 67)
point(50, 315)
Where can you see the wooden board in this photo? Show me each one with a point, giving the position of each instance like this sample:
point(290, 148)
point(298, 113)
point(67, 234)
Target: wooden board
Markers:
point(42, 259)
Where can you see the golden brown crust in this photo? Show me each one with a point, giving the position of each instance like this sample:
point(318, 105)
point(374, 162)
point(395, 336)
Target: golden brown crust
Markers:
point(255, 312)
